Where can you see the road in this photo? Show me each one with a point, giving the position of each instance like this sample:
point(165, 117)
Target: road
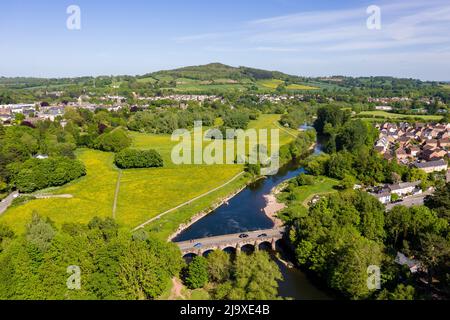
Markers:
point(230, 238)
point(5, 203)
point(410, 201)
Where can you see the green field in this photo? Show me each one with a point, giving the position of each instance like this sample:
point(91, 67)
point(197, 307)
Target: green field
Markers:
point(323, 185)
point(300, 87)
point(197, 86)
point(93, 195)
point(274, 83)
point(146, 80)
point(144, 193)
point(270, 84)
point(388, 115)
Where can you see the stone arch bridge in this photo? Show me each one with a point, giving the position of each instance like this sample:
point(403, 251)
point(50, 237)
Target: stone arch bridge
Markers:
point(232, 241)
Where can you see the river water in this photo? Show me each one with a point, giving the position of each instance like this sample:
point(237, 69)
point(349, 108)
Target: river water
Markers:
point(244, 212)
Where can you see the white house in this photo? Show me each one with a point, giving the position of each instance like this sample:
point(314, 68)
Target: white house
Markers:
point(413, 265)
point(384, 197)
point(383, 108)
point(403, 188)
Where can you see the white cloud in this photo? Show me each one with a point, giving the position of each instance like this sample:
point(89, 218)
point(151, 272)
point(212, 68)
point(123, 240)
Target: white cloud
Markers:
point(410, 31)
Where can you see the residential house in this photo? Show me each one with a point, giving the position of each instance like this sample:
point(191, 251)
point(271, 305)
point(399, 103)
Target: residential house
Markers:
point(403, 188)
point(384, 196)
point(433, 154)
point(403, 140)
point(413, 265)
point(432, 143)
point(444, 143)
point(413, 151)
point(432, 166)
point(383, 108)
point(401, 154)
point(5, 114)
point(41, 156)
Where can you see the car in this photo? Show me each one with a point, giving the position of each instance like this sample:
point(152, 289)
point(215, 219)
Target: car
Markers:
point(262, 235)
point(243, 235)
point(197, 245)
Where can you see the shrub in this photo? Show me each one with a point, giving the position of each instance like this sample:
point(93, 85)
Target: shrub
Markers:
point(113, 141)
point(36, 174)
point(132, 158)
point(305, 180)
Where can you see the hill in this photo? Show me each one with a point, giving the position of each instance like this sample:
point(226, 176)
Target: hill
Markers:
point(212, 78)
point(217, 71)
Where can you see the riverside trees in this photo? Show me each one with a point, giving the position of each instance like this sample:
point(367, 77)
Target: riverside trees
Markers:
point(243, 277)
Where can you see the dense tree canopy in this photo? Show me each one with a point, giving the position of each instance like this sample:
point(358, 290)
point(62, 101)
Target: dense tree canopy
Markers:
point(36, 174)
point(339, 238)
point(252, 277)
point(113, 264)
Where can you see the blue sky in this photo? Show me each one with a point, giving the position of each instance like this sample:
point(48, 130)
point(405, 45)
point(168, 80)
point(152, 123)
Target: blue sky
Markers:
point(311, 38)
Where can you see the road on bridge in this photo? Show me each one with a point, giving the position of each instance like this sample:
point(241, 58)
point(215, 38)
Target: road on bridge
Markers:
point(224, 240)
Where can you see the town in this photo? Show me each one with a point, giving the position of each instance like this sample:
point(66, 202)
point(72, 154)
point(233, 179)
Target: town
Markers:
point(422, 145)
point(425, 146)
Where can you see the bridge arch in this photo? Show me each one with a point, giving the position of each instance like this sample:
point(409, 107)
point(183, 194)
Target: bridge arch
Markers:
point(207, 252)
point(189, 256)
point(248, 247)
point(229, 249)
point(265, 245)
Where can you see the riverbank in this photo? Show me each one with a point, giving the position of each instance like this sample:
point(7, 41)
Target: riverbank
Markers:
point(272, 208)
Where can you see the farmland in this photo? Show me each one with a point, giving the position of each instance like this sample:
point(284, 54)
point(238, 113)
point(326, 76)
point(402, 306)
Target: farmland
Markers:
point(375, 115)
point(300, 87)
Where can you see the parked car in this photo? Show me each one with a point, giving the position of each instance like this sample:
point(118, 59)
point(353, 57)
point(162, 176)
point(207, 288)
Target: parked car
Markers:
point(262, 235)
point(197, 245)
point(243, 235)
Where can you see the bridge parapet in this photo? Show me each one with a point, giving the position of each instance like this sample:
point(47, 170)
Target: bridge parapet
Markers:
point(255, 238)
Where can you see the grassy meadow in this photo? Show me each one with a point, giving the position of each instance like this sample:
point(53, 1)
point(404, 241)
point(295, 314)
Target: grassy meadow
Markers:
point(274, 83)
point(300, 87)
point(143, 193)
point(303, 194)
point(388, 115)
point(93, 195)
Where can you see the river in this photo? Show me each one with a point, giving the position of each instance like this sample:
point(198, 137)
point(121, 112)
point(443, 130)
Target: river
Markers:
point(244, 212)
